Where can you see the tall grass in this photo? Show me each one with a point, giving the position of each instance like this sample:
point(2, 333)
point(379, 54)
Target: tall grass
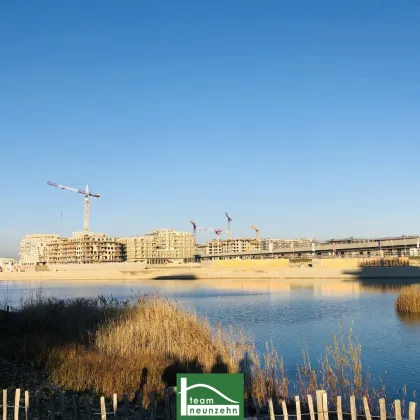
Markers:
point(408, 301)
point(43, 323)
point(152, 340)
point(340, 370)
point(107, 346)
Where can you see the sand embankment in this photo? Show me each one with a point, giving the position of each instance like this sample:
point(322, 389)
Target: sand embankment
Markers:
point(174, 274)
point(196, 273)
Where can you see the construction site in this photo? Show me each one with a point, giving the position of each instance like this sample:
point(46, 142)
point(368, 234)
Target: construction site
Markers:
point(158, 246)
point(84, 249)
point(229, 245)
point(163, 246)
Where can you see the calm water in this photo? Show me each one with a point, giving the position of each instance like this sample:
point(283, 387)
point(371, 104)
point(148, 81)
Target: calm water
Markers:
point(292, 318)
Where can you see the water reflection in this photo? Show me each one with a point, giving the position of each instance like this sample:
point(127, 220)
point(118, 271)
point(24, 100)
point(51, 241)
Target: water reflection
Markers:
point(13, 291)
point(382, 288)
point(266, 287)
point(293, 315)
point(338, 290)
point(409, 319)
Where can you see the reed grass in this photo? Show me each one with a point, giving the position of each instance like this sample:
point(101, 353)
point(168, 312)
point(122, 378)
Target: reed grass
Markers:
point(408, 301)
point(339, 371)
point(106, 346)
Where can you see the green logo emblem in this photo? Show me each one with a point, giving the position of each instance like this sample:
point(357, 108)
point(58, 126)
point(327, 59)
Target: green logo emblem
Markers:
point(210, 395)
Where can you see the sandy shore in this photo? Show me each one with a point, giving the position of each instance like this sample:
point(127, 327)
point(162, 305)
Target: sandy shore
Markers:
point(185, 273)
point(180, 274)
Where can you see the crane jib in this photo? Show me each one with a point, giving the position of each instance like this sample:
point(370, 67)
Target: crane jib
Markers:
point(65, 187)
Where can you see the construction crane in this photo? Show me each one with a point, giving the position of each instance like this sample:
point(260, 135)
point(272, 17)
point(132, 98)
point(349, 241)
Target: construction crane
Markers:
point(194, 226)
point(194, 230)
point(229, 219)
point(256, 233)
point(215, 230)
point(87, 194)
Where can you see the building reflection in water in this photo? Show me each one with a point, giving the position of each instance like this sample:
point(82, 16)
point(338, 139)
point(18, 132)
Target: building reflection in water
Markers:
point(277, 289)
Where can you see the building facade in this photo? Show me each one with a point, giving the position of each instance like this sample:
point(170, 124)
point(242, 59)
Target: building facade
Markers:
point(84, 249)
point(159, 245)
point(33, 249)
point(222, 246)
point(138, 248)
point(8, 265)
point(285, 243)
point(242, 245)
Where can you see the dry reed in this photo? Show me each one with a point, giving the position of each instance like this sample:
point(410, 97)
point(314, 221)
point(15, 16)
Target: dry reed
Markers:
point(408, 301)
point(339, 372)
point(107, 346)
point(125, 347)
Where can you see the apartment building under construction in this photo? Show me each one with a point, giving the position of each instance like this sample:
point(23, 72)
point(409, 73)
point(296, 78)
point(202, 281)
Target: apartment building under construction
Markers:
point(158, 246)
point(285, 243)
point(243, 245)
point(84, 249)
point(33, 250)
point(228, 246)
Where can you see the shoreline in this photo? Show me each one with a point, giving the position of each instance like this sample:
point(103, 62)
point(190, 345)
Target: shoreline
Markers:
point(192, 274)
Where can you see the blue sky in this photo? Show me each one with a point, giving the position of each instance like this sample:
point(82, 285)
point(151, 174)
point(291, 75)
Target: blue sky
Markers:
point(301, 117)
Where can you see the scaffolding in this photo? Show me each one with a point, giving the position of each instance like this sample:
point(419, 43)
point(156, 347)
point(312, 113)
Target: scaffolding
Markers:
point(85, 249)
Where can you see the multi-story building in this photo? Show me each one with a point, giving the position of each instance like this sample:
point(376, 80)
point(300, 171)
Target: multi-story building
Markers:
point(84, 249)
point(285, 243)
point(138, 248)
point(33, 248)
point(229, 246)
point(242, 245)
point(7, 264)
point(159, 245)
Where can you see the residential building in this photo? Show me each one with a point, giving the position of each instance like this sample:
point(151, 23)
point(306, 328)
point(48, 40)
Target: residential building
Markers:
point(138, 248)
point(285, 243)
point(159, 245)
point(33, 248)
point(228, 246)
point(243, 245)
point(7, 264)
point(84, 249)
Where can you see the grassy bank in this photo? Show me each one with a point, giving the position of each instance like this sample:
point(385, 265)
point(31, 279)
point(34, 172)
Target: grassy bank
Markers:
point(104, 346)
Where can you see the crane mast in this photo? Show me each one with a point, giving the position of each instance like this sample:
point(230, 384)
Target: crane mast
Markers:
point(86, 213)
point(194, 231)
point(229, 219)
point(256, 233)
point(87, 194)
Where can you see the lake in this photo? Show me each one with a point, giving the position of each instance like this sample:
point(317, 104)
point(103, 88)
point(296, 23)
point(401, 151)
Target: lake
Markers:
point(292, 318)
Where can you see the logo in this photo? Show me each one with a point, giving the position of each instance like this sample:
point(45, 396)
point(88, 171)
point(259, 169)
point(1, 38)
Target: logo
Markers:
point(210, 395)
point(384, 262)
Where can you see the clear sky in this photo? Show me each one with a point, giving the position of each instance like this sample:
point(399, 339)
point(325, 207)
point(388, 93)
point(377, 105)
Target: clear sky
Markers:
point(301, 117)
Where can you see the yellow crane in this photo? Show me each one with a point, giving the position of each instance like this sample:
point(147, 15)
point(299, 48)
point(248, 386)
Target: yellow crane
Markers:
point(256, 233)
